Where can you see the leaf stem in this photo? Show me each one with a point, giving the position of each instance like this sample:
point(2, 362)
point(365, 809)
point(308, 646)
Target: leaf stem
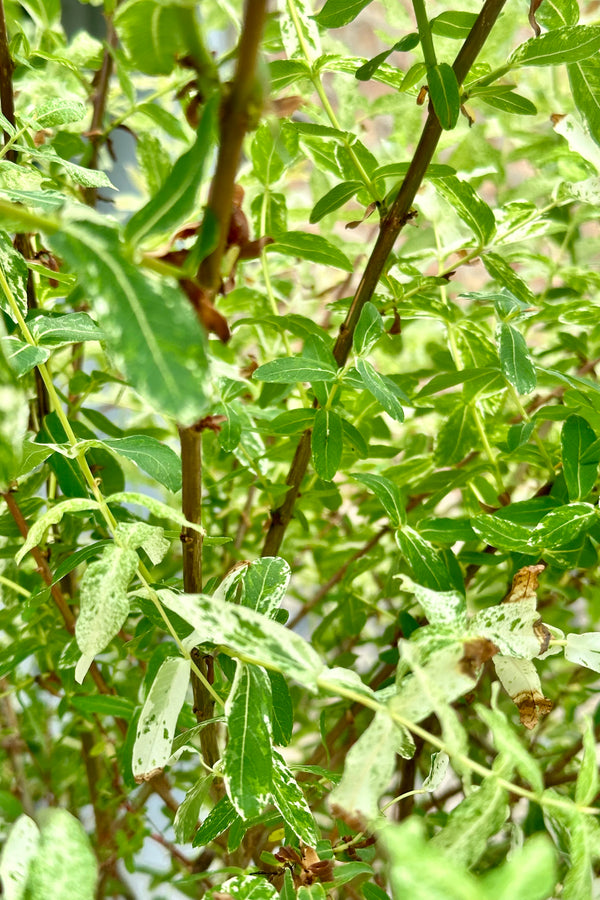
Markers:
point(424, 33)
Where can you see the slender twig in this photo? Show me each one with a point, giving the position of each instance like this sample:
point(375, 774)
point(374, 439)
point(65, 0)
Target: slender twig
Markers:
point(6, 85)
point(101, 84)
point(391, 226)
point(13, 747)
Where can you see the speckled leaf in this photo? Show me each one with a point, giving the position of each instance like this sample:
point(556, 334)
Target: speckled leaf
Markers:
point(507, 742)
point(247, 635)
point(52, 517)
point(64, 864)
point(20, 846)
point(15, 272)
point(264, 584)
point(247, 760)
point(445, 608)
point(104, 605)
point(156, 725)
point(584, 650)
point(562, 45)
point(289, 799)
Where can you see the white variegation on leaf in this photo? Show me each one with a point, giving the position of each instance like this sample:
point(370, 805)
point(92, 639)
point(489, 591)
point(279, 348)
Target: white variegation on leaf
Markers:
point(247, 635)
point(104, 604)
point(289, 799)
point(156, 507)
point(298, 29)
point(446, 608)
point(264, 584)
point(438, 770)
point(584, 650)
point(53, 517)
point(64, 864)
point(19, 849)
point(578, 139)
point(151, 538)
point(156, 725)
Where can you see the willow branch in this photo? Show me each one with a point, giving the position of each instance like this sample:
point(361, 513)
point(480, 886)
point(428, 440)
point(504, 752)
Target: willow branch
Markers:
point(391, 227)
point(99, 99)
point(6, 84)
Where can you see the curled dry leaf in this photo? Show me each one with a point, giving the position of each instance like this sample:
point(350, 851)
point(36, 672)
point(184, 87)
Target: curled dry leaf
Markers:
point(521, 681)
point(477, 652)
point(524, 584)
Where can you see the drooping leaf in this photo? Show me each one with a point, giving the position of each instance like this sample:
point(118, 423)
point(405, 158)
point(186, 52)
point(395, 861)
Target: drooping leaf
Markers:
point(337, 13)
point(327, 443)
point(175, 200)
point(21, 356)
point(104, 605)
point(387, 493)
point(188, 811)
point(153, 33)
point(134, 313)
point(522, 683)
point(217, 821)
point(584, 78)
point(381, 388)
point(584, 650)
point(291, 802)
point(248, 756)
point(446, 609)
point(53, 517)
point(369, 329)
point(156, 725)
point(282, 714)
point(469, 206)
point(457, 436)
point(586, 788)
point(500, 270)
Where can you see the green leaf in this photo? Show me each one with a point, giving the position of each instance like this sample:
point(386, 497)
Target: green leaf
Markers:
point(578, 882)
point(502, 534)
point(353, 440)
point(509, 102)
point(300, 33)
point(156, 725)
point(469, 206)
point(447, 609)
point(64, 864)
point(387, 493)
point(457, 437)
point(293, 421)
point(22, 357)
point(104, 604)
point(444, 93)
point(562, 525)
point(175, 200)
point(369, 329)
point(188, 811)
point(584, 78)
point(381, 388)
point(366, 71)
point(515, 359)
point(70, 328)
point(103, 705)
point(289, 799)
point(152, 34)
point(156, 507)
point(248, 756)
point(59, 111)
point(333, 199)
point(312, 247)
point(20, 848)
point(294, 368)
point(500, 270)
point(426, 564)
point(337, 13)
point(133, 311)
point(509, 745)
point(217, 821)
point(155, 458)
point(453, 24)
point(563, 45)
point(247, 635)
point(530, 872)
point(586, 788)
point(584, 650)
point(555, 13)
point(327, 443)
point(282, 715)
point(473, 822)
point(581, 471)
point(264, 584)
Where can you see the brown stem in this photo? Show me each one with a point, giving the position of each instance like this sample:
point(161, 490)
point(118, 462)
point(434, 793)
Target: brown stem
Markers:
point(236, 114)
point(391, 227)
point(100, 95)
point(6, 86)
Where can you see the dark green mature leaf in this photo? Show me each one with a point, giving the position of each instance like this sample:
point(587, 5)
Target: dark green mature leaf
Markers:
point(333, 199)
point(444, 93)
point(366, 71)
point(369, 329)
point(453, 24)
point(141, 322)
point(387, 493)
point(337, 13)
point(556, 13)
point(509, 102)
point(427, 566)
point(502, 534)
point(563, 45)
point(381, 388)
point(154, 457)
point(577, 437)
point(312, 247)
point(585, 86)
point(327, 443)
point(282, 713)
point(248, 755)
point(175, 200)
point(469, 206)
point(153, 33)
point(69, 328)
point(515, 359)
point(295, 368)
point(217, 821)
point(457, 437)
